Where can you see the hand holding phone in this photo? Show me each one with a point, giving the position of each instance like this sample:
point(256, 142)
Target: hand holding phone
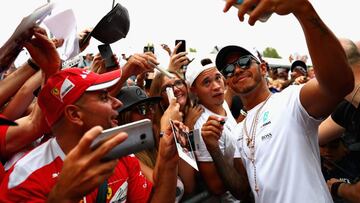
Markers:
point(107, 54)
point(263, 18)
point(182, 47)
point(140, 137)
point(170, 93)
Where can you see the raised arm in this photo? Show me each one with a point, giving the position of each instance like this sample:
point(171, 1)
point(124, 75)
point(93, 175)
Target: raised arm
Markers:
point(11, 84)
point(329, 130)
point(334, 78)
point(43, 52)
point(23, 98)
point(166, 168)
point(29, 128)
point(12, 47)
point(137, 64)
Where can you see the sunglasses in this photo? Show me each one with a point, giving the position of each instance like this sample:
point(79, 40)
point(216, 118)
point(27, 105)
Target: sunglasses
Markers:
point(244, 62)
point(178, 84)
point(144, 109)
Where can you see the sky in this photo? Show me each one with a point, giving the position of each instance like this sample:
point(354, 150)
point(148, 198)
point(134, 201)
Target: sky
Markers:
point(200, 22)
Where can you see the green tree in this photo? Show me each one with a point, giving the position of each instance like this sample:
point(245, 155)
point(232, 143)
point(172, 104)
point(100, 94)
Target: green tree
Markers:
point(271, 53)
point(192, 49)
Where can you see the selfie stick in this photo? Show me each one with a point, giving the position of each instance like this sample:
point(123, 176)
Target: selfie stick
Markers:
point(162, 70)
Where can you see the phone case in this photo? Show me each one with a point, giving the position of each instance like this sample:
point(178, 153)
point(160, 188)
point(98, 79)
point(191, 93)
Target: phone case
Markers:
point(106, 53)
point(182, 47)
point(140, 137)
point(170, 93)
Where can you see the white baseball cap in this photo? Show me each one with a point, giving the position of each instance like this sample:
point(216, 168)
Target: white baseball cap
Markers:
point(196, 67)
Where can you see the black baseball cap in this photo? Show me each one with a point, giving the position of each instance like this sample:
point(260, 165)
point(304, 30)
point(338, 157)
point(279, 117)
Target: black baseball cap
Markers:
point(113, 26)
point(299, 63)
point(133, 95)
point(226, 51)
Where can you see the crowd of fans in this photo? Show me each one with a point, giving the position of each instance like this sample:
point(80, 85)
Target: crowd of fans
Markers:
point(267, 134)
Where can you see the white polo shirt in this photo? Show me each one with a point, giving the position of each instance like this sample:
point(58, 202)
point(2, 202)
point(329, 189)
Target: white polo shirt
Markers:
point(287, 157)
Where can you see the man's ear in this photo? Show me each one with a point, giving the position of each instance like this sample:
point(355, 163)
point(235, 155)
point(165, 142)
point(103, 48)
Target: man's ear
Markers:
point(73, 114)
point(193, 90)
point(263, 69)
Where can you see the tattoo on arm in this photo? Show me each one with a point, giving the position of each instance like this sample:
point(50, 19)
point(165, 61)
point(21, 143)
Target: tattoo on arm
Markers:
point(317, 23)
point(235, 182)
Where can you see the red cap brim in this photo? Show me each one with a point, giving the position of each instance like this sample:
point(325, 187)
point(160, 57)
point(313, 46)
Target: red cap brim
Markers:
point(106, 80)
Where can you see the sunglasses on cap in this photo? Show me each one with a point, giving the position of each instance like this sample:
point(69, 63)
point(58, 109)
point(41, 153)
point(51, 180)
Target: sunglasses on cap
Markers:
point(144, 109)
point(243, 62)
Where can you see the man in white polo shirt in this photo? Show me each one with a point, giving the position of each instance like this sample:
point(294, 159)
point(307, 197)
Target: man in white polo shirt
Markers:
point(279, 136)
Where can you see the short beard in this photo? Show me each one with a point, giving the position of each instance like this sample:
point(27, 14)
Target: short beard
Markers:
point(248, 89)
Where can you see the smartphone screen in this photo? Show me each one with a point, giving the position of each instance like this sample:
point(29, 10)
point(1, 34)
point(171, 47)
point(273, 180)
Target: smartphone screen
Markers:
point(149, 49)
point(182, 47)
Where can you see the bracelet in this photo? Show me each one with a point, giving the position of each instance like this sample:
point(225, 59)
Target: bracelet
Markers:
point(334, 189)
point(33, 65)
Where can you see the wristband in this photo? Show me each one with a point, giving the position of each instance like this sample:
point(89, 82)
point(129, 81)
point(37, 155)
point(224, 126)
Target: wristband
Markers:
point(334, 188)
point(33, 65)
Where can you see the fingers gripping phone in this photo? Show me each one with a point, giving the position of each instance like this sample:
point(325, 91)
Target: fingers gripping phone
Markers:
point(170, 93)
point(107, 54)
point(182, 47)
point(140, 137)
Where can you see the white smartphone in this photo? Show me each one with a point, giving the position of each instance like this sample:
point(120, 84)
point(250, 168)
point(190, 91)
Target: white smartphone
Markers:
point(140, 137)
point(170, 93)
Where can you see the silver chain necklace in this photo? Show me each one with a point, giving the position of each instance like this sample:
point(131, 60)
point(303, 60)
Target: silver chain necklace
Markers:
point(250, 140)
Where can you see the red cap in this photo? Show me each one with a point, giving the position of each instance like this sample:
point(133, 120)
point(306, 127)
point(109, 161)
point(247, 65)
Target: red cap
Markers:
point(66, 87)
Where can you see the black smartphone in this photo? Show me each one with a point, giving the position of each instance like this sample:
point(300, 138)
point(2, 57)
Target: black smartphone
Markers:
point(107, 54)
point(140, 137)
point(149, 49)
point(182, 47)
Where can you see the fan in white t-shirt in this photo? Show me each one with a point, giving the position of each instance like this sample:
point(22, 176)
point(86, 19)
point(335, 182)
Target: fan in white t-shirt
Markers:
point(207, 84)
